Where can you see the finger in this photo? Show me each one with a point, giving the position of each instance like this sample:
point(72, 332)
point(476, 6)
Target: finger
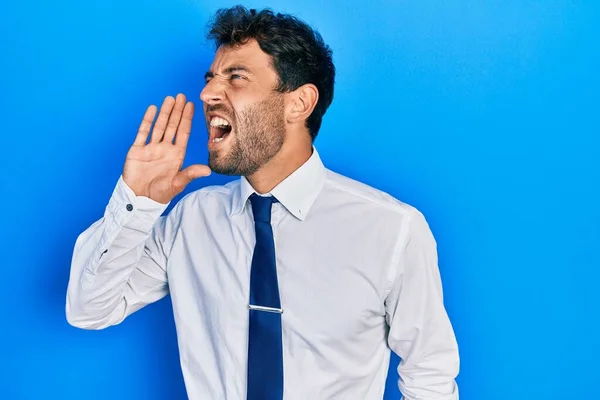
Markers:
point(145, 125)
point(161, 121)
point(185, 126)
point(189, 174)
point(174, 118)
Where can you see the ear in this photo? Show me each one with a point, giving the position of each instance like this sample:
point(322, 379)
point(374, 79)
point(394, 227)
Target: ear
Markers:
point(301, 103)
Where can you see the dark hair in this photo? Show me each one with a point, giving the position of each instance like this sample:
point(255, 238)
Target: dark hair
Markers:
point(298, 52)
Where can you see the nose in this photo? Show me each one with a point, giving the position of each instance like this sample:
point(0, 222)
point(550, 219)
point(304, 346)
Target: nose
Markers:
point(212, 92)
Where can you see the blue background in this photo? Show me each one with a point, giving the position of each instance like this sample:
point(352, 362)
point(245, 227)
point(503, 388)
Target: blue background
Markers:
point(484, 115)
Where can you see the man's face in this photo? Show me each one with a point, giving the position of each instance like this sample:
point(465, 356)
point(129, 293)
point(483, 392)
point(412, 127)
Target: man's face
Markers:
point(244, 115)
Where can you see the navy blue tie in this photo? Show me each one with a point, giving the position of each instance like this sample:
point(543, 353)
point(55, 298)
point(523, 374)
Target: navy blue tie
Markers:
point(265, 352)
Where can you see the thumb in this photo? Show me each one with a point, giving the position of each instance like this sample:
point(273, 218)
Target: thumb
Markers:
point(189, 174)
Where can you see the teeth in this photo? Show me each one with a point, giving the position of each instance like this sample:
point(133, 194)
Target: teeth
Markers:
point(217, 139)
point(218, 121)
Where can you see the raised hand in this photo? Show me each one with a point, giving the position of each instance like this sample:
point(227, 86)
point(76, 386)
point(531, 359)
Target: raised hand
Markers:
point(154, 169)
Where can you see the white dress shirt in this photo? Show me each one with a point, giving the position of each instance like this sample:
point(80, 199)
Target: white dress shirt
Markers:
point(357, 273)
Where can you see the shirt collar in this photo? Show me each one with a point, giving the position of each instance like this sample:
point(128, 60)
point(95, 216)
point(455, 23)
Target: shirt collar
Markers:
point(296, 193)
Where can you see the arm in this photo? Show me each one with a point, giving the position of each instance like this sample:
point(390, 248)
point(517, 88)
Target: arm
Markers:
point(420, 330)
point(119, 262)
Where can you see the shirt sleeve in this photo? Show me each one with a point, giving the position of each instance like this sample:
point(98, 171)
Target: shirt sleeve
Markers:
point(420, 332)
point(119, 262)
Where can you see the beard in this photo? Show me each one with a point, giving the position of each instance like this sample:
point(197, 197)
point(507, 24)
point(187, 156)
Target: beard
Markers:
point(258, 137)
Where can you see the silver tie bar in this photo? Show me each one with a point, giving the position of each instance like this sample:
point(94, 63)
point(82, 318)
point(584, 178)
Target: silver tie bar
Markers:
point(267, 309)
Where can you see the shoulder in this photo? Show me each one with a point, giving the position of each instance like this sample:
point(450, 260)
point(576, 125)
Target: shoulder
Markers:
point(212, 195)
point(375, 205)
point(352, 190)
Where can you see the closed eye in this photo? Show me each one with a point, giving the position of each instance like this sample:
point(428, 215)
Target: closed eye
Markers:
point(232, 77)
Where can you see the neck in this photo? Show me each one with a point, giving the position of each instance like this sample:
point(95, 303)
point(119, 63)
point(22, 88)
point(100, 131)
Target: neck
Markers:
point(290, 158)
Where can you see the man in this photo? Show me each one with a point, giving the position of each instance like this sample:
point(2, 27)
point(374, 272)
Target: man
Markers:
point(292, 282)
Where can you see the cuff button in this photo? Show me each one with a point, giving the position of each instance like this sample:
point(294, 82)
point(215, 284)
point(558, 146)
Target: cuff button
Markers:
point(129, 207)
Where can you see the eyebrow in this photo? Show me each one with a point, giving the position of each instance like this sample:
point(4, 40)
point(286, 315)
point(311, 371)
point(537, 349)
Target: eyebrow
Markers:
point(229, 71)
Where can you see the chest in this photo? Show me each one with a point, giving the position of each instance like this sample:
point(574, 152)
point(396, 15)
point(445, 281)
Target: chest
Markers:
point(331, 274)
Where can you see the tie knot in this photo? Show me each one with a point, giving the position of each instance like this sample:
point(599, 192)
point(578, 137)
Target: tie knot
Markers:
point(261, 207)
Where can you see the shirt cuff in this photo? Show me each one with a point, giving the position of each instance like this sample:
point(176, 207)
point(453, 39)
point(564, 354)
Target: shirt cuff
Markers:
point(136, 212)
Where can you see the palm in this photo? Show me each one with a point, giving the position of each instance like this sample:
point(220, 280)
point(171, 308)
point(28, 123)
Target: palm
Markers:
point(155, 164)
point(153, 169)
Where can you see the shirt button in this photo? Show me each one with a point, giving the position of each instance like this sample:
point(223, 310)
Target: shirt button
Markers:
point(129, 207)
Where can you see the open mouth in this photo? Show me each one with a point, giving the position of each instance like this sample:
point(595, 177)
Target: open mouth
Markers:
point(219, 129)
